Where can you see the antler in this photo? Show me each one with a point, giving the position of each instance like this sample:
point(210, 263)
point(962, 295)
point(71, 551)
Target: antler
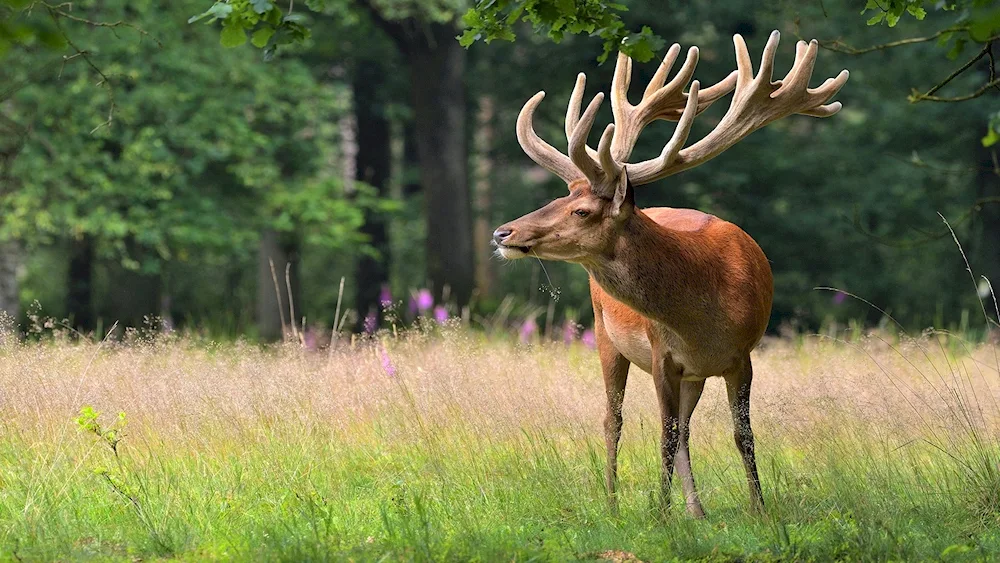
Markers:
point(757, 101)
point(659, 101)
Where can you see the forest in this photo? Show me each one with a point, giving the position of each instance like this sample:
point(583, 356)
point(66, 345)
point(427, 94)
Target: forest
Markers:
point(152, 175)
point(301, 281)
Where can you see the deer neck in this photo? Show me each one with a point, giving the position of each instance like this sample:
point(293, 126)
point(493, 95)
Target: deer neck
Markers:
point(652, 269)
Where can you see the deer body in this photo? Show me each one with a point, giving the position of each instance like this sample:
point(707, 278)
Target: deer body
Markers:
point(707, 294)
point(681, 294)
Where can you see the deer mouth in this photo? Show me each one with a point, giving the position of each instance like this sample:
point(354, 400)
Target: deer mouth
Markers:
point(511, 251)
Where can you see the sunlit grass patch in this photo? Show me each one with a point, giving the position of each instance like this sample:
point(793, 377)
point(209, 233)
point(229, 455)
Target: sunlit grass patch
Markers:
point(452, 447)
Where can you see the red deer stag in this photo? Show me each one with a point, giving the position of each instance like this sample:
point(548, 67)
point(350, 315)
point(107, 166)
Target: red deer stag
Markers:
point(682, 294)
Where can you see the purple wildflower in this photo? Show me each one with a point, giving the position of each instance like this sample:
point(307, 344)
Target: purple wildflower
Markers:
point(528, 329)
point(589, 339)
point(387, 366)
point(309, 339)
point(424, 300)
point(440, 314)
point(371, 323)
point(839, 297)
point(385, 296)
point(569, 332)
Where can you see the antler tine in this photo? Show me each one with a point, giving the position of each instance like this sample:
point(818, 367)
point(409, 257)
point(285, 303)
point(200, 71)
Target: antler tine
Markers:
point(805, 61)
point(544, 154)
point(578, 142)
point(802, 68)
point(686, 72)
point(575, 104)
point(619, 84)
point(767, 58)
point(573, 110)
point(660, 77)
point(611, 168)
point(757, 101)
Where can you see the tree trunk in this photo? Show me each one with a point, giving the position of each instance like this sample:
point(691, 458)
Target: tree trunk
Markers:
point(10, 261)
point(80, 284)
point(135, 295)
point(411, 163)
point(437, 67)
point(373, 167)
point(274, 318)
point(483, 139)
point(988, 196)
point(135, 298)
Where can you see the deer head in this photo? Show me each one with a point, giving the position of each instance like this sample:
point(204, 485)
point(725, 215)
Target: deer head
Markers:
point(589, 220)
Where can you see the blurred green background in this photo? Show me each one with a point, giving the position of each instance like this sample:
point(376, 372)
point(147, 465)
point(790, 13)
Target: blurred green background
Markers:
point(147, 171)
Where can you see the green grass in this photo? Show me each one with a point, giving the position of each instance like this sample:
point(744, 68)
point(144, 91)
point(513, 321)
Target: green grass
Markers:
point(485, 451)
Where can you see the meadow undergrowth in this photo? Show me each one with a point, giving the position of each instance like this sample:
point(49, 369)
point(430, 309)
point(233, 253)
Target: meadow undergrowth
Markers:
point(447, 446)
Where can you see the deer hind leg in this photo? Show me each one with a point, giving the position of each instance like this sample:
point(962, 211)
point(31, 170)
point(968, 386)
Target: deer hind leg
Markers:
point(615, 369)
point(690, 393)
point(667, 381)
point(738, 389)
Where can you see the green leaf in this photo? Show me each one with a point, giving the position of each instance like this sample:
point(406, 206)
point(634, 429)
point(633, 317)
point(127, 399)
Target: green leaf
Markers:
point(991, 138)
point(643, 45)
point(261, 37)
point(983, 24)
point(262, 6)
point(233, 36)
point(218, 11)
point(992, 131)
point(566, 7)
point(467, 38)
point(876, 19)
point(956, 49)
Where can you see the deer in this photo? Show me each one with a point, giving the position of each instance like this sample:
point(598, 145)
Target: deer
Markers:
point(681, 294)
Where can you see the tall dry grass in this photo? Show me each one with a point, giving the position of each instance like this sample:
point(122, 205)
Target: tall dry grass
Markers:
point(936, 386)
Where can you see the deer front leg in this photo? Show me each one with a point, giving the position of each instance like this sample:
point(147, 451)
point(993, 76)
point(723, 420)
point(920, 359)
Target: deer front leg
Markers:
point(615, 369)
point(690, 394)
point(667, 381)
point(738, 389)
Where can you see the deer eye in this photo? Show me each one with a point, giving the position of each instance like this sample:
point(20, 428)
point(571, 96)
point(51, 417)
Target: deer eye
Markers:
point(581, 213)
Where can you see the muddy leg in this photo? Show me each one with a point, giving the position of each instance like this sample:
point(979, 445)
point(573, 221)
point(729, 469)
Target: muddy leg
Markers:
point(738, 389)
point(690, 393)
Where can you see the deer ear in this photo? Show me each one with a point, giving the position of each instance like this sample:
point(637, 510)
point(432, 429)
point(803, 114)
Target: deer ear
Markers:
point(624, 200)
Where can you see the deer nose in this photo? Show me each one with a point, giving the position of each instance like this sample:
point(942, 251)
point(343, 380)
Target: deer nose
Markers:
point(500, 234)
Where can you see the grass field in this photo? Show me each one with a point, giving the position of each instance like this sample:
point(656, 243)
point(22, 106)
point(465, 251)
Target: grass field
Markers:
point(450, 447)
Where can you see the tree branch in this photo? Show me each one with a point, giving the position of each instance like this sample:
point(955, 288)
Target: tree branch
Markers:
point(840, 47)
point(915, 96)
point(394, 30)
point(59, 10)
point(81, 53)
point(993, 63)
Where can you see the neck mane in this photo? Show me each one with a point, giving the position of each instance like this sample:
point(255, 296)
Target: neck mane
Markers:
point(658, 271)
